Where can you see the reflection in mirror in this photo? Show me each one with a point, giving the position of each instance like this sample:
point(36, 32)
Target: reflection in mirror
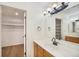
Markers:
point(73, 26)
point(58, 28)
point(77, 26)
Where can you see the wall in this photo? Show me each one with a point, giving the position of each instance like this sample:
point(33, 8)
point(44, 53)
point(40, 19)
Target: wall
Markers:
point(0, 29)
point(35, 18)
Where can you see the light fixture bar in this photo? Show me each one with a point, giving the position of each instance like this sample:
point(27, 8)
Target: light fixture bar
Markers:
point(60, 8)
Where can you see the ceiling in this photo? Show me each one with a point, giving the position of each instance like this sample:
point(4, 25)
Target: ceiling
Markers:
point(12, 15)
point(12, 12)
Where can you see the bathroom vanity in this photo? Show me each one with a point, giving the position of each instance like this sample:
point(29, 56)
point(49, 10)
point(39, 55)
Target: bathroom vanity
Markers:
point(45, 48)
point(40, 52)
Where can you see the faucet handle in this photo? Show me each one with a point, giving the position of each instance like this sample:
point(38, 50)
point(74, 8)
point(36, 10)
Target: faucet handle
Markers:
point(53, 39)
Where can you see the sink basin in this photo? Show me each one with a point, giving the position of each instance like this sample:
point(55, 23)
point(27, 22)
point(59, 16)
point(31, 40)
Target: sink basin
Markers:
point(63, 45)
point(64, 48)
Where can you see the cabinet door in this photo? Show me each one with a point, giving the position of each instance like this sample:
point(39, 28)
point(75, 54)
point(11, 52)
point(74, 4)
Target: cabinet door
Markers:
point(35, 49)
point(47, 54)
point(40, 52)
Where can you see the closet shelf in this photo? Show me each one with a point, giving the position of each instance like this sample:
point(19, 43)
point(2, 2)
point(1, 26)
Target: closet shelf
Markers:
point(22, 25)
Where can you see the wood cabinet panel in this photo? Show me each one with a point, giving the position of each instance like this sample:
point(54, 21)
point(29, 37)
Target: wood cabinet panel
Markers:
point(40, 52)
point(35, 49)
point(47, 54)
point(13, 51)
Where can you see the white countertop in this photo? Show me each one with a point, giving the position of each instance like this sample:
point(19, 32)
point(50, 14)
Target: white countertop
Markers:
point(64, 48)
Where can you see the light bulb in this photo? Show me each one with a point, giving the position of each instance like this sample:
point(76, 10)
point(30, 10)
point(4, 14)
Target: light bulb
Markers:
point(16, 13)
point(48, 9)
point(54, 5)
point(44, 12)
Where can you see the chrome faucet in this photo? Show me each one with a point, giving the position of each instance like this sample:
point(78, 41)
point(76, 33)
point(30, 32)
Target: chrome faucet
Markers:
point(54, 41)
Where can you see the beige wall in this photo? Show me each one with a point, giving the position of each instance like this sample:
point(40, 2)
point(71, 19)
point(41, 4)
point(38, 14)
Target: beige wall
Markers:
point(35, 18)
point(0, 31)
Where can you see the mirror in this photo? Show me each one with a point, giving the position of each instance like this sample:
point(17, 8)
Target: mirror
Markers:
point(77, 26)
point(73, 26)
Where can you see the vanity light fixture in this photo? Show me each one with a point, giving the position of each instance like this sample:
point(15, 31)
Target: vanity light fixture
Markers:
point(55, 8)
point(73, 19)
point(60, 8)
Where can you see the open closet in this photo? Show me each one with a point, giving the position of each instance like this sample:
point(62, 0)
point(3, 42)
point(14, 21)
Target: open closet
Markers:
point(13, 31)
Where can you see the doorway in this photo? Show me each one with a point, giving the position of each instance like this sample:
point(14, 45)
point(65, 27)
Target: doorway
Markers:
point(13, 32)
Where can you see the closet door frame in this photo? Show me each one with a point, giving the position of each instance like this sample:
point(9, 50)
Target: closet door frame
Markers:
point(25, 32)
point(0, 30)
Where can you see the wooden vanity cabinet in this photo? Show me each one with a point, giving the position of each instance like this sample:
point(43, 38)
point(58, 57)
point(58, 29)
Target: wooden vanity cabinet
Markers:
point(35, 49)
point(40, 52)
point(47, 54)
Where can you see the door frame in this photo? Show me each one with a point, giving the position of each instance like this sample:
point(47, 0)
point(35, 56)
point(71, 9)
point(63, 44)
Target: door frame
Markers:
point(25, 40)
